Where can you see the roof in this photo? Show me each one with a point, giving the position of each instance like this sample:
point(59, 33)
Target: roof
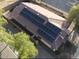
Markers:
point(63, 5)
point(6, 52)
point(52, 17)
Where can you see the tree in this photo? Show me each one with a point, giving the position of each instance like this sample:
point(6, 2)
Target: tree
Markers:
point(24, 46)
point(21, 42)
point(6, 37)
point(2, 19)
point(74, 16)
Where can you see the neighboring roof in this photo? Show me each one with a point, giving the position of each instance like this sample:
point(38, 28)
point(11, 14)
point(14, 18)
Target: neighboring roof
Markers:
point(63, 5)
point(6, 52)
point(2, 46)
point(52, 17)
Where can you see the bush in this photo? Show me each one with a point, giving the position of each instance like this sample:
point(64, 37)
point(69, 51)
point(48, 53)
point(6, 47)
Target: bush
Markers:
point(21, 42)
point(6, 37)
point(25, 47)
point(2, 19)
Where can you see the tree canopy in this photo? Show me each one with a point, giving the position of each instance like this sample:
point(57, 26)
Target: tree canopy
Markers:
point(2, 19)
point(24, 46)
point(20, 41)
point(74, 15)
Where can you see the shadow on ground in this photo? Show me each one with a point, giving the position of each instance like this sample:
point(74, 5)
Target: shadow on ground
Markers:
point(67, 51)
point(10, 28)
point(70, 48)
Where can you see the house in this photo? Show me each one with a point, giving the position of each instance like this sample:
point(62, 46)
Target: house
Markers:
point(46, 25)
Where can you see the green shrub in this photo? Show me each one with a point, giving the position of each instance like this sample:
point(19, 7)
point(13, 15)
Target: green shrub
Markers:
point(20, 42)
point(25, 47)
point(2, 19)
point(74, 15)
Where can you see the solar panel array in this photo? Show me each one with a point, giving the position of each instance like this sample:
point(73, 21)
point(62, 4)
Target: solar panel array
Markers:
point(48, 31)
point(63, 5)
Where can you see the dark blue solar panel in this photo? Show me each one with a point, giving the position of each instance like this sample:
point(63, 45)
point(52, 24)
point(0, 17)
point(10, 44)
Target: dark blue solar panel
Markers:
point(33, 15)
point(50, 32)
point(53, 28)
point(45, 35)
point(34, 20)
point(28, 15)
point(53, 32)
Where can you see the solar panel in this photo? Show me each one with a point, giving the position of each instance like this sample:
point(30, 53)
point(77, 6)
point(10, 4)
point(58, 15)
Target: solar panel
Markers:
point(53, 28)
point(45, 35)
point(32, 15)
point(63, 5)
point(48, 31)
